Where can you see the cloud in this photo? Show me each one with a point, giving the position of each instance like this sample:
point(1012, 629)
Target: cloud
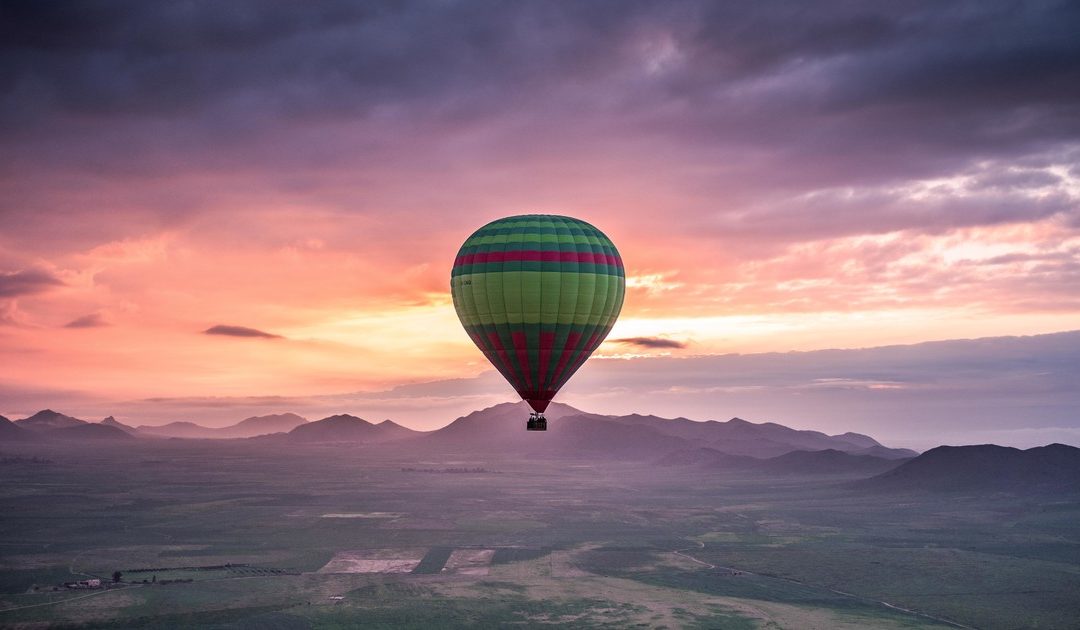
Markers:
point(93, 320)
point(927, 79)
point(751, 104)
point(26, 282)
point(218, 402)
point(958, 391)
point(650, 342)
point(239, 331)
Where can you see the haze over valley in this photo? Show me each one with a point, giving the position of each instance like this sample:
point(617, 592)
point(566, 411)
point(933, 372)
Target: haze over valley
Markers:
point(605, 520)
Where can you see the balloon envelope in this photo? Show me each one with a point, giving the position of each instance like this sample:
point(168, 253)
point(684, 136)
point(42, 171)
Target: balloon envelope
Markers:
point(537, 294)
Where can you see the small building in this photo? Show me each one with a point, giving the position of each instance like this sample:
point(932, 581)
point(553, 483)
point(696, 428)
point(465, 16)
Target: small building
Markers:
point(91, 583)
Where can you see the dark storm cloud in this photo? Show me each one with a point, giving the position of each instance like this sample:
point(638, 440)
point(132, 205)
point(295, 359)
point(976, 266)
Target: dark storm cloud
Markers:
point(752, 103)
point(1011, 69)
point(649, 342)
point(93, 320)
point(331, 58)
point(26, 282)
point(239, 331)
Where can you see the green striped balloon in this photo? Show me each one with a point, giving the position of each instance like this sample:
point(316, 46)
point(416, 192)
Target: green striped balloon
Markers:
point(538, 293)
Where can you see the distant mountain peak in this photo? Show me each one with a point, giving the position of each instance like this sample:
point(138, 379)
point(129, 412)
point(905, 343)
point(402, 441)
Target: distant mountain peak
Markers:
point(47, 419)
point(349, 428)
point(343, 416)
point(113, 422)
point(47, 413)
point(262, 425)
point(275, 417)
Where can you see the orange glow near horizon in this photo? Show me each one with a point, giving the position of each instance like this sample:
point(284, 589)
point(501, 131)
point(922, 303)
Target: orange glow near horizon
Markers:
point(354, 319)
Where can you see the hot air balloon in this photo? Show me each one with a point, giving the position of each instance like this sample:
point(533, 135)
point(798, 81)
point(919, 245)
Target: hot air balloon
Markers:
point(537, 293)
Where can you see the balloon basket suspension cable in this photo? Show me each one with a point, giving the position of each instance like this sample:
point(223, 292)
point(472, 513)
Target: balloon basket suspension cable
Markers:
point(537, 422)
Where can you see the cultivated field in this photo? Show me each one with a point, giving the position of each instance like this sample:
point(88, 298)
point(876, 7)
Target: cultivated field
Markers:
point(245, 534)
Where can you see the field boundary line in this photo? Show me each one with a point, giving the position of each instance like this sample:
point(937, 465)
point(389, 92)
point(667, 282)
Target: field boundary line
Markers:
point(71, 599)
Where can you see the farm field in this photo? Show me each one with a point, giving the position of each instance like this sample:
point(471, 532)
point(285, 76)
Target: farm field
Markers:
point(245, 534)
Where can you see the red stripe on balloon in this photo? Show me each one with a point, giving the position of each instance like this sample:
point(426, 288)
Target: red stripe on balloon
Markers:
point(518, 338)
point(496, 342)
point(547, 339)
point(538, 256)
point(572, 339)
point(495, 353)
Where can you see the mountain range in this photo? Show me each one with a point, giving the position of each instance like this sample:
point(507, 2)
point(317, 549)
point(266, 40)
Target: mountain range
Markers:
point(573, 432)
point(734, 445)
point(498, 429)
point(249, 427)
point(49, 424)
point(823, 462)
point(986, 467)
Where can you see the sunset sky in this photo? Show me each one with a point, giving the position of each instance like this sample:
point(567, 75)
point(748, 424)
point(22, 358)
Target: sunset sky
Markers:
point(210, 210)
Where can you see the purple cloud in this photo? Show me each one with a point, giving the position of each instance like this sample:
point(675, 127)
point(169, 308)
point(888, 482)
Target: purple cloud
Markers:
point(239, 331)
point(93, 320)
point(650, 342)
point(27, 282)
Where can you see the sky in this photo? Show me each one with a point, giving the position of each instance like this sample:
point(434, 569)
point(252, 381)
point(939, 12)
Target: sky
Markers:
point(209, 209)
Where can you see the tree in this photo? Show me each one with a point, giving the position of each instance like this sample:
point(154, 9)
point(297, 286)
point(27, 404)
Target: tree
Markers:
point(116, 576)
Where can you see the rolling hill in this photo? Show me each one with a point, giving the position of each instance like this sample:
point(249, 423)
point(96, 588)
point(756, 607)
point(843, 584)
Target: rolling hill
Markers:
point(262, 425)
point(348, 428)
point(708, 458)
point(498, 427)
point(827, 462)
point(571, 431)
point(47, 420)
point(247, 428)
point(90, 431)
point(824, 462)
point(11, 432)
point(113, 422)
point(984, 468)
point(181, 429)
point(501, 429)
point(740, 437)
point(391, 431)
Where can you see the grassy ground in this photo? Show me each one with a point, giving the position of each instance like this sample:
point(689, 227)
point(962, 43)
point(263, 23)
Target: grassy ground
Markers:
point(617, 545)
